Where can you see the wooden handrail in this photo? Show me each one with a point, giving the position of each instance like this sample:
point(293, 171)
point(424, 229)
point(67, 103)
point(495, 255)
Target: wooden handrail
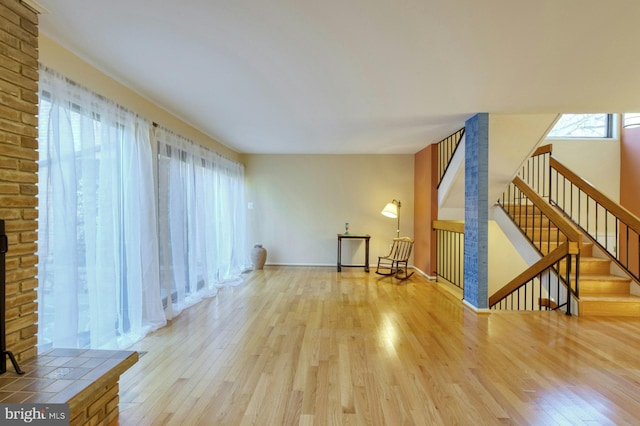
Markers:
point(545, 149)
point(449, 225)
point(554, 216)
point(531, 272)
point(623, 214)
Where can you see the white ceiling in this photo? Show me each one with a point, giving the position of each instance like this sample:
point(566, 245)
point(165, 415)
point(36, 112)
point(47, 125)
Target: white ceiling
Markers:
point(356, 76)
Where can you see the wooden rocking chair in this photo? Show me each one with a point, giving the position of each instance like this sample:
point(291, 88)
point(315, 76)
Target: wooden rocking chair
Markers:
point(395, 263)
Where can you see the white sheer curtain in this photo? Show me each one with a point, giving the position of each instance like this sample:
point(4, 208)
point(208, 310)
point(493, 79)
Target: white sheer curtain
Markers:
point(202, 221)
point(98, 244)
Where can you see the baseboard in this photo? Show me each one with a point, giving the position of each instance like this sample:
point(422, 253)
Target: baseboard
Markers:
point(333, 265)
point(468, 305)
point(424, 274)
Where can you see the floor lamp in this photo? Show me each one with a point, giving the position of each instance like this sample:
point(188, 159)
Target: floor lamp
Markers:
point(392, 210)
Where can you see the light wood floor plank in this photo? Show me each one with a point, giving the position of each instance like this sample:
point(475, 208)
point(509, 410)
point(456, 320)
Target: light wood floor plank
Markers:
point(310, 346)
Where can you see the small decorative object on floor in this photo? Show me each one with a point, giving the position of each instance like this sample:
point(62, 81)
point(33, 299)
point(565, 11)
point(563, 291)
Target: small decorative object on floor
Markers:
point(346, 228)
point(258, 256)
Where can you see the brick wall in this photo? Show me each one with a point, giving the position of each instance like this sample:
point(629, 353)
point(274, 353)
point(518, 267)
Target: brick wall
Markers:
point(100, 407)
point(18, 170)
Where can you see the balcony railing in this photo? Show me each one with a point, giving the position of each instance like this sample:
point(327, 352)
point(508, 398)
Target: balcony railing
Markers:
point(450, 251)
point(446, 149)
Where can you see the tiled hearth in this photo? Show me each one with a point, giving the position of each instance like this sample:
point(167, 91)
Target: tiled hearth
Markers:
point(87, 380)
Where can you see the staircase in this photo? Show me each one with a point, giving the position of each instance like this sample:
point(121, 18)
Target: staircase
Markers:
point(550, 282)
point(587, 241)
point(601, 293)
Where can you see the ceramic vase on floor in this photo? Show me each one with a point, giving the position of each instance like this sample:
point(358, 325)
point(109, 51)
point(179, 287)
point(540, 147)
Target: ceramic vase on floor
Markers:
point(258, 256)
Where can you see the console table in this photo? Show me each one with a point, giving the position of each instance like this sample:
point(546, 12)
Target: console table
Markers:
point(364, 237)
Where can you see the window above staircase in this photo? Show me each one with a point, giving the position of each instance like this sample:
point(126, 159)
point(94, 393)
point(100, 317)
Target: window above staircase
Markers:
point(583, 126)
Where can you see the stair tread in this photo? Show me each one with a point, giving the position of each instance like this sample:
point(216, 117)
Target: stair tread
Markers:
point(627, 298)
point(594, 259)
point(603, 277)
point(582, 245)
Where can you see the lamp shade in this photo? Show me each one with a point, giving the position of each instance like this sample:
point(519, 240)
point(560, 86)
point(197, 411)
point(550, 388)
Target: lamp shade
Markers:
point(390, 210)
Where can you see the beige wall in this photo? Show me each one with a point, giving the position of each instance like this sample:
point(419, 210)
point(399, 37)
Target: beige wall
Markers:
point(300, 203)
point(71, 66)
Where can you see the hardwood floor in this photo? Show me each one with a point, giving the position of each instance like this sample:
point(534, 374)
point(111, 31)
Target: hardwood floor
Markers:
point(305, 345)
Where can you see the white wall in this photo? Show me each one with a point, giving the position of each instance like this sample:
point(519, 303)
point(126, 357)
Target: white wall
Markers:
point(512, 139)
point(595, 160)
point(505, 263)
point(300, 203)
point(506, 260)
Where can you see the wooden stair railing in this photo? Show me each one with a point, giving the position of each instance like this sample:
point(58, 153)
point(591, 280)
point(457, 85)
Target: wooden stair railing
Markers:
point(604, 291)
point(536, 171)
point(612, 227)
point(545, 269)
point(547, 230)
point(598, 216)
point(547, 210)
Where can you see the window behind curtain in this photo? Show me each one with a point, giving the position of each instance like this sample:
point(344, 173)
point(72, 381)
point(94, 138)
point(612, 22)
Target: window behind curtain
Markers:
point(202, 222)
point(97, 247)
point(99, 250)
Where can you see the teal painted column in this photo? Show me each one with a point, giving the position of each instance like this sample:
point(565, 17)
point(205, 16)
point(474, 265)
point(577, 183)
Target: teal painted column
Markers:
point(476, 211)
